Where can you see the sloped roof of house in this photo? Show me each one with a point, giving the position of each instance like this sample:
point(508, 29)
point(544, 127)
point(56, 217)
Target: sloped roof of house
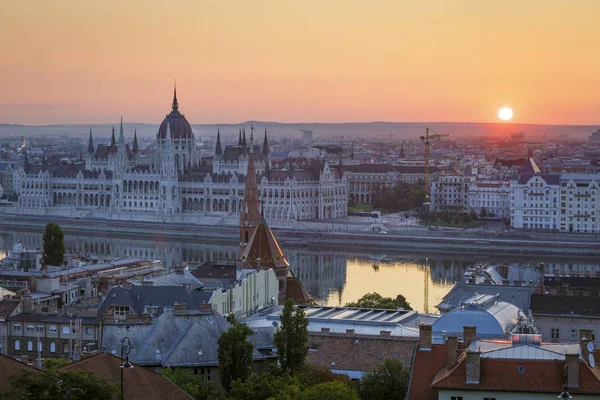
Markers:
point(11, 367)
point(540, 376)
point(426, 365)
point(171, 340)
point(138, 297)
point(138, 382)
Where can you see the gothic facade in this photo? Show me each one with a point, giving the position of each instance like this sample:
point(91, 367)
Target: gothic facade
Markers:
point(112, 180)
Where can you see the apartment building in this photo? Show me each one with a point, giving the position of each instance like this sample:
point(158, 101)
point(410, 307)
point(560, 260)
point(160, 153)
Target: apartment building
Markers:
point(493, 197)
point(450, 192)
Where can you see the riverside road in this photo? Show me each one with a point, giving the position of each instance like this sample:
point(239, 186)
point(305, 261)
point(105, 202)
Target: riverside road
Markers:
point(417, 238)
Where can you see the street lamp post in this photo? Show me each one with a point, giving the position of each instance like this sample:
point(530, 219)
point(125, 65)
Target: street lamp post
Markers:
point(565, 392)
point(125, 349)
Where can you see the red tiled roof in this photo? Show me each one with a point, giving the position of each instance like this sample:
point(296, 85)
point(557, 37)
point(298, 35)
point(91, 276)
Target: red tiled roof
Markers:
point(425, 367)
point(11, 367)
point(7, 306)
point(139, 382)
point(540, 376)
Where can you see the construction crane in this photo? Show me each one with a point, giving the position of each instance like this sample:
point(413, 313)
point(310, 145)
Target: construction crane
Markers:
point(426, 275)
point(427, 140)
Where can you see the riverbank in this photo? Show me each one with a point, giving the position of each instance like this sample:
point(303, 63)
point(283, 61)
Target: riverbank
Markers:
point(422, 241)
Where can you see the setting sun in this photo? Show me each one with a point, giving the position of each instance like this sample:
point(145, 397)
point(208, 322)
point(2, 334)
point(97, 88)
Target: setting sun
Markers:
point(505, 114)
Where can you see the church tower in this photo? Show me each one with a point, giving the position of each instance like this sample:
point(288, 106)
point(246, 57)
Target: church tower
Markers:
point(250, 214)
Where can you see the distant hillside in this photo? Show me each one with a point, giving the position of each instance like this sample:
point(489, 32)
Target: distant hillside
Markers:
point(403, 130)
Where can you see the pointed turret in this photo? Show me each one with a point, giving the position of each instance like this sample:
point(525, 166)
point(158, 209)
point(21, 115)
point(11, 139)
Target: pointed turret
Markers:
point(175, 103)
point(91, 143)
point(240, 138)
point(265, 150)
point(113, 141)
point(249, 215)
point(402, 155)
point(136, 147)
point(244, 145)
point(168, 155)
point(218, 149)
point(121, 134)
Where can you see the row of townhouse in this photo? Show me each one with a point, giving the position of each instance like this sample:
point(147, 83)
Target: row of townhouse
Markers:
point(534, 200)
point(552, 202)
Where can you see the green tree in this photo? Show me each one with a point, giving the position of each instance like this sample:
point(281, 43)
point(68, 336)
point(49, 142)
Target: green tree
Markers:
point(375, 300)
point(483, 212)
point(235, 354)
point(54, 245)
point(54, 364)
point(330, 391)
point(291, 339)
point(264, 386)
point(192, 385)
point(311, 375)
point(388, 381)
point(44, 386)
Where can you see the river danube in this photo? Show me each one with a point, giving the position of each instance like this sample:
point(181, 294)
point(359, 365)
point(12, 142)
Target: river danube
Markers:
point(332, 278)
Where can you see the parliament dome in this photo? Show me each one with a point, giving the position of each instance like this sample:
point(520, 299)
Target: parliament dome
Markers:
point(179, 126)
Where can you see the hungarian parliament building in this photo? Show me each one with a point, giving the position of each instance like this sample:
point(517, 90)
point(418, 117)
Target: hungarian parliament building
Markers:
point(176, 184)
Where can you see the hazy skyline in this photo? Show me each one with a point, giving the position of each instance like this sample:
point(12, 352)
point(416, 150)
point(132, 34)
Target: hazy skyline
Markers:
point(92, 62)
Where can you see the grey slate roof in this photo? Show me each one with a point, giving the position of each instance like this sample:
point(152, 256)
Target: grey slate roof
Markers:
point(172, 278)
point(517, 295)
point(171, 340)
point(140, 296)
point(233, 153)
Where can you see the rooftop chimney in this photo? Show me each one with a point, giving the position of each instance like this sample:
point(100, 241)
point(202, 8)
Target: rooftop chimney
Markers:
point(324, 330)
point(452, 348)
point(473, 367)
point(206, 307)
point(179, 307)
point(469, 335)
point(27, 304)
point(572, 363)
point(179, 269)
point(585, 337)
point(425, 338)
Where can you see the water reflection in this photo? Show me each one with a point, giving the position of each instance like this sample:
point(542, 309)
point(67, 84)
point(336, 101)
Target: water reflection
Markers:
point(332, 278)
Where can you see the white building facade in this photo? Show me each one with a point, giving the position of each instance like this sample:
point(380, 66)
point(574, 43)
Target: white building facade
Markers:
point(450, 192)
point(491, 196)
point(534, 202)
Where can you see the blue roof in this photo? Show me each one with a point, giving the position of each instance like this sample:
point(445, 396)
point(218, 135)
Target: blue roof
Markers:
point(493, 318)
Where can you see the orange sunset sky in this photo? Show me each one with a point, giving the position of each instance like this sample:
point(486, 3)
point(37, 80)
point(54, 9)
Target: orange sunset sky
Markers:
point(300, 61)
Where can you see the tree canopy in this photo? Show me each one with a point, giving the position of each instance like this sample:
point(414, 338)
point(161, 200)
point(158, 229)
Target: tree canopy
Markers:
point(330, 391)
point(291, 339)
point(235, 354)
point(375, 300)
point(309, 383)
point(192, 385)
point(45, 386)
point(54, 245)
point(403, 197)
point(388, 381)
